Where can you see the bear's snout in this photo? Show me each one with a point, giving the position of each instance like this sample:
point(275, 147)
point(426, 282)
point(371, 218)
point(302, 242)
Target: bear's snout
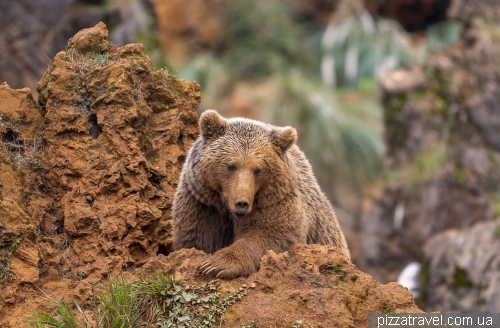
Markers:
point(241, 193)
point(242, 207)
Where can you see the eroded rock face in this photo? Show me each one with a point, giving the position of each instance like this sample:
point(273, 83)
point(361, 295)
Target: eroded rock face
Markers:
point(88, 175)
point(399, 219)
point(312, 283)
point(19, 213)
point(117, 132)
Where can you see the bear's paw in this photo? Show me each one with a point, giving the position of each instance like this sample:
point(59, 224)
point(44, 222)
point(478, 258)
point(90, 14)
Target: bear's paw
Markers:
point(228, 264)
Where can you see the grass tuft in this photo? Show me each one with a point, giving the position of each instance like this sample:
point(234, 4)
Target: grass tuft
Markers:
point(87, 62)
point(117, 306)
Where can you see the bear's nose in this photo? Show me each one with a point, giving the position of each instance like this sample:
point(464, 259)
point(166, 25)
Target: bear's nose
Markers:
point(242, 206)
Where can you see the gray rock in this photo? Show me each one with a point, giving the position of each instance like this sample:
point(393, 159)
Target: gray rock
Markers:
point(463, 270)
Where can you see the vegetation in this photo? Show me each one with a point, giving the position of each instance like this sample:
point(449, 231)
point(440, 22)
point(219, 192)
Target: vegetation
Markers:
point(265, 28)
point(20, 153)
point(423, 167)
point(6, 274)
point(87, 62)
point(342, 145)
point(460, 278)
point(158, 300)
point(357, 46)
point(168, 71)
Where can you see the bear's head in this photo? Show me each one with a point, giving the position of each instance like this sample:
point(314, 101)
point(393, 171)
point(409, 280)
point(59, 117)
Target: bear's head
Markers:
point(245, 161)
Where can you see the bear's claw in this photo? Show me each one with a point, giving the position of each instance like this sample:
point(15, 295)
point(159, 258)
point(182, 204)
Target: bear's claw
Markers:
point(219, 274)
point(204, 265)
point(209, 270)
point(227, 264)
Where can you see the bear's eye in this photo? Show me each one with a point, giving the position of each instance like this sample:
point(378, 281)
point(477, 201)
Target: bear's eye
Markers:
point(256, 172)
point(231, 167)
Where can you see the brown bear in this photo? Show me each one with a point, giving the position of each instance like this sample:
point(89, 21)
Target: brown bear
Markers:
point(246, 188)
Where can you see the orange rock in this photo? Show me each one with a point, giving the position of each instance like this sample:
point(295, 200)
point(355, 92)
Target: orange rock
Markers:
point(312, 283)
point(108, 137)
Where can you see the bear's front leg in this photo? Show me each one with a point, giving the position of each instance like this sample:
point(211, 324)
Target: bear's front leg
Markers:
point(242, 258)
point(198, 225)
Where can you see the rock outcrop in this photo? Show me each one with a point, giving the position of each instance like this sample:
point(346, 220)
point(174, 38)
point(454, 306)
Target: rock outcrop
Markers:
point(311, 284)
point(116, 133)
point(88, 174)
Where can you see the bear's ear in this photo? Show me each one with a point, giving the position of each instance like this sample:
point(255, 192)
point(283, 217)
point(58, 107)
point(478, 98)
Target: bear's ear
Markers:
point(284, 138)
point(212, 125)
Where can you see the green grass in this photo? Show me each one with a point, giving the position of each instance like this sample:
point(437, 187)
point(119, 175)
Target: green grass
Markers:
point(158, 300)
point(63, 317)
point(118, 306)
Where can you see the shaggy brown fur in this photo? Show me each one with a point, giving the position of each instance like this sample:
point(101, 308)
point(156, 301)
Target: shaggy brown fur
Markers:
point(246, 188)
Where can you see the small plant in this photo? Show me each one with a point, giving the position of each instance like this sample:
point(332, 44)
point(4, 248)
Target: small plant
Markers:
point(423, 167)
point(249, 325)
point(86, 62)
point(171, 304)
point(65, 317)
point(118, 306)
point(6, 274)
point(386, 309)
point(168, 71)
